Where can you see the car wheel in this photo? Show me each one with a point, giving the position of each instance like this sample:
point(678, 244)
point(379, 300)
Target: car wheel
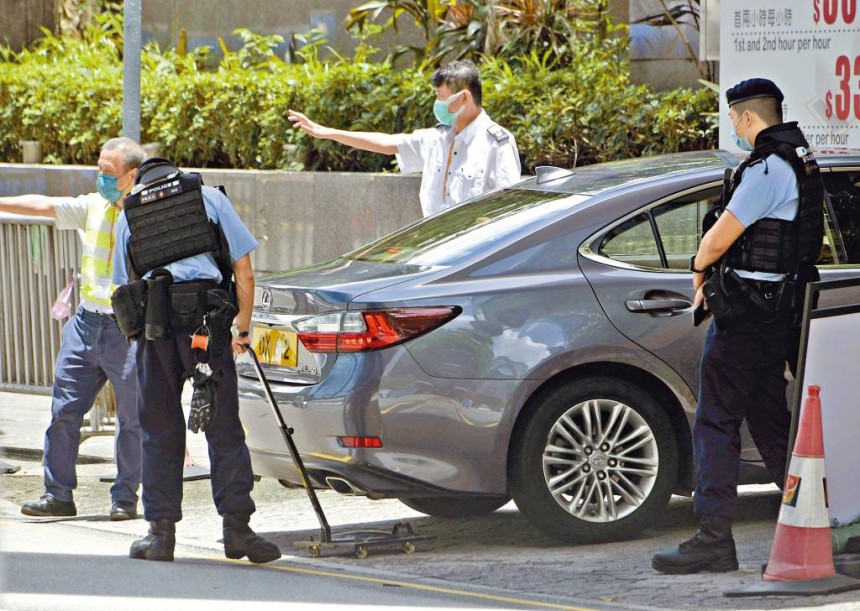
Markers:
point(596, 461)
point(456, 506)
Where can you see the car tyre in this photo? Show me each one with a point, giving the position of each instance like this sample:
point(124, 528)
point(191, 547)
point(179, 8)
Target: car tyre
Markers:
point(596, 460)
point(456, 506)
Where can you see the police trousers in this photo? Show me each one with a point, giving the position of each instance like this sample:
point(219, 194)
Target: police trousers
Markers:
point(742, 377)
point(163, 367)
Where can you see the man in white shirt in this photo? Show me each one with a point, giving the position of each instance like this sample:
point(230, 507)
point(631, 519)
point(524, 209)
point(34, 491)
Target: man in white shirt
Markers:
point(465, 155)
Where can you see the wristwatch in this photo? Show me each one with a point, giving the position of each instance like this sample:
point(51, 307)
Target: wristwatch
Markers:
point(693, 266)
point(234, 330)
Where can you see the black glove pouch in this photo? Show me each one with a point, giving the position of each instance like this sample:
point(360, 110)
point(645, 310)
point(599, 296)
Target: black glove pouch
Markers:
point(129, 308)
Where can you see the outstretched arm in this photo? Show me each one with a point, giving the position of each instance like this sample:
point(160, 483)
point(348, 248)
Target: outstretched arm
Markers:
point(375, 142)
point(30, 205)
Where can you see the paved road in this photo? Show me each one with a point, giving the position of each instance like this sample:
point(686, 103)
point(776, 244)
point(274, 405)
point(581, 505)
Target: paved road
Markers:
point(499, 556)
point(64, 566)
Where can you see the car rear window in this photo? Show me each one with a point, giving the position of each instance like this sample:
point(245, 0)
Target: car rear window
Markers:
point(446, 238)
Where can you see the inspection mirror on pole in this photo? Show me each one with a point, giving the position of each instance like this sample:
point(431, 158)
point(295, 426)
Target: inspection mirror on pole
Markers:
point(829, 358)
point(360, 541)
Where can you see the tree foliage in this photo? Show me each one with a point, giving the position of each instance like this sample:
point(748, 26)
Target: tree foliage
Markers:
point(474, 29)
point(67, 94)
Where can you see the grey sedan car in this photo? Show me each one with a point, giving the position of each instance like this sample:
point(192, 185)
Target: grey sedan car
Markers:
point(534, 343)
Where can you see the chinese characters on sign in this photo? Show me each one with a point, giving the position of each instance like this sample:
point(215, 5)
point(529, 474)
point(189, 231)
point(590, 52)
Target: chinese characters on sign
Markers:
point(811, 50)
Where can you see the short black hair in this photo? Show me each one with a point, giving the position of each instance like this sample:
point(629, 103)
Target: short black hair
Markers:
point(460, 75)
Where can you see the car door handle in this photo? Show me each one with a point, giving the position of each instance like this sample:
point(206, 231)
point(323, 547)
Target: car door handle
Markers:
point(649, 305)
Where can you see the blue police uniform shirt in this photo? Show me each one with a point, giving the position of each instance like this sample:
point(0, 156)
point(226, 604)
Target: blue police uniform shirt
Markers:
point(768, 189)
point(199, 267)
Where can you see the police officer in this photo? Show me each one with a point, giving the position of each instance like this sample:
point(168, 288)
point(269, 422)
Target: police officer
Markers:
point(465, 155)
point(758, 254)
point(93, 350)
point(166, 234)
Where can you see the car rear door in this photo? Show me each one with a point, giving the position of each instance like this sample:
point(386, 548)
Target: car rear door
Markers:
point(639, 270)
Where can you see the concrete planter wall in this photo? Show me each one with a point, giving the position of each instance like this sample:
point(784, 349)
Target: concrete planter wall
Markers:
point(298, 217)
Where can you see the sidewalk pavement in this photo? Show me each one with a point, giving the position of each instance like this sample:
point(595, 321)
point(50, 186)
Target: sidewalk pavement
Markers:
point(24, 417)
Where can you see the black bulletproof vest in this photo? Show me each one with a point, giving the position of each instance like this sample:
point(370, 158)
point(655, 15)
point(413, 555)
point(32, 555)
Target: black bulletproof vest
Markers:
point(774, 245)
point(167, 222)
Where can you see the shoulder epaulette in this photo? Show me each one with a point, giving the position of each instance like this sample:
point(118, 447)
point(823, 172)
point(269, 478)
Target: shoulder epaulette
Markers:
point(496, 131)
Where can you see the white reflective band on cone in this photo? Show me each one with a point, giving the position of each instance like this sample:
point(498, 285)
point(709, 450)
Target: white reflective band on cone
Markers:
point(804, 501)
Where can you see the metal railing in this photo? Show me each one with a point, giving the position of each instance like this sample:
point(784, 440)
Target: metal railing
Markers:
point(36, 263)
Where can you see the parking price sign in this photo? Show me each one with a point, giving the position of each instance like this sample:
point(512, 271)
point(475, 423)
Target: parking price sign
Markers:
point(811, 50)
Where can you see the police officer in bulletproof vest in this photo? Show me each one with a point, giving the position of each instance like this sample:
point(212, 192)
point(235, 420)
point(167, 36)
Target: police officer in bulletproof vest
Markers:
point(180, 245)
point(758, 251)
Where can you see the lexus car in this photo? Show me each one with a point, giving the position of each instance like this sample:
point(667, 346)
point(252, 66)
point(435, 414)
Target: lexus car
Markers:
point(534, 343)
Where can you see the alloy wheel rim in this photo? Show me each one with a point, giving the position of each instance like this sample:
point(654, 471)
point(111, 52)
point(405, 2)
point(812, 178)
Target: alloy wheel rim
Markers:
point(600, 460)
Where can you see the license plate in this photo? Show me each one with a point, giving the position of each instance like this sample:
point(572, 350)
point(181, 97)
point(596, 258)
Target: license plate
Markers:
point(275, 346)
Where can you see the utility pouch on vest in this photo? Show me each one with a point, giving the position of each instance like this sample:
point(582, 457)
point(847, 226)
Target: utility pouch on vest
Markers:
point(188, 304)
point(129, 308)
point(157, 312)
point(723, 303)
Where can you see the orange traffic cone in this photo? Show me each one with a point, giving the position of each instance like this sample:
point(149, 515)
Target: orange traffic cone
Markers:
point(801, 546)
point(801, 559)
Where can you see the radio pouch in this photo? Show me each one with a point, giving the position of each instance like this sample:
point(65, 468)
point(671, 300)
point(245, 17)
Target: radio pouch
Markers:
point(188, 304)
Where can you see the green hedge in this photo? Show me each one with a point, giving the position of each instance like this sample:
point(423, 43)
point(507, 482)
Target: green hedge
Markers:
point(66, 94)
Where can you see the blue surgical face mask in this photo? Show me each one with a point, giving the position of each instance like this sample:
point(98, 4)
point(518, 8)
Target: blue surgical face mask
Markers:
point(443, 115)
point(742, 143)
point(107, 187)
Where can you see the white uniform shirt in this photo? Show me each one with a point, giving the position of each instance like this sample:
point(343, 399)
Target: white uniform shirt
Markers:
point(484, 157)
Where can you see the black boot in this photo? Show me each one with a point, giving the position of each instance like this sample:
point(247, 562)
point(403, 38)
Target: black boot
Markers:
point(711, 550)
point(158, 544)
point(241, 541)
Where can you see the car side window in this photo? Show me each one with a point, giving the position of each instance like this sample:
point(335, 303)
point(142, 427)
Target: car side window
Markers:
point(664, 237)
point(679, 227)
point(632, 242)
point(842, 227)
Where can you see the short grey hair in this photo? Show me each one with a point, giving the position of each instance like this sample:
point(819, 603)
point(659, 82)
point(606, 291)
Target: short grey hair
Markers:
point(132, 153)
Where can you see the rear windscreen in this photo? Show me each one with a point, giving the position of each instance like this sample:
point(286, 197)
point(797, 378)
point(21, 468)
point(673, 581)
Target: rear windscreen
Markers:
point(459, 232)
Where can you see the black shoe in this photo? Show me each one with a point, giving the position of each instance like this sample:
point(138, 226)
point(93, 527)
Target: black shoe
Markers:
point(123, 510)
point(48, 506)
point(711, 550)
point(241, 541)
point(158, 544)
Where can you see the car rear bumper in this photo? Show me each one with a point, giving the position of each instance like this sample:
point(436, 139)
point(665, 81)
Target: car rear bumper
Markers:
point(438, 436)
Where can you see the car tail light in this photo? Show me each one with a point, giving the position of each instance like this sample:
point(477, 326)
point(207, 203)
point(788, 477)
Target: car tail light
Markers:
point(359, 442)
point(369, 330)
